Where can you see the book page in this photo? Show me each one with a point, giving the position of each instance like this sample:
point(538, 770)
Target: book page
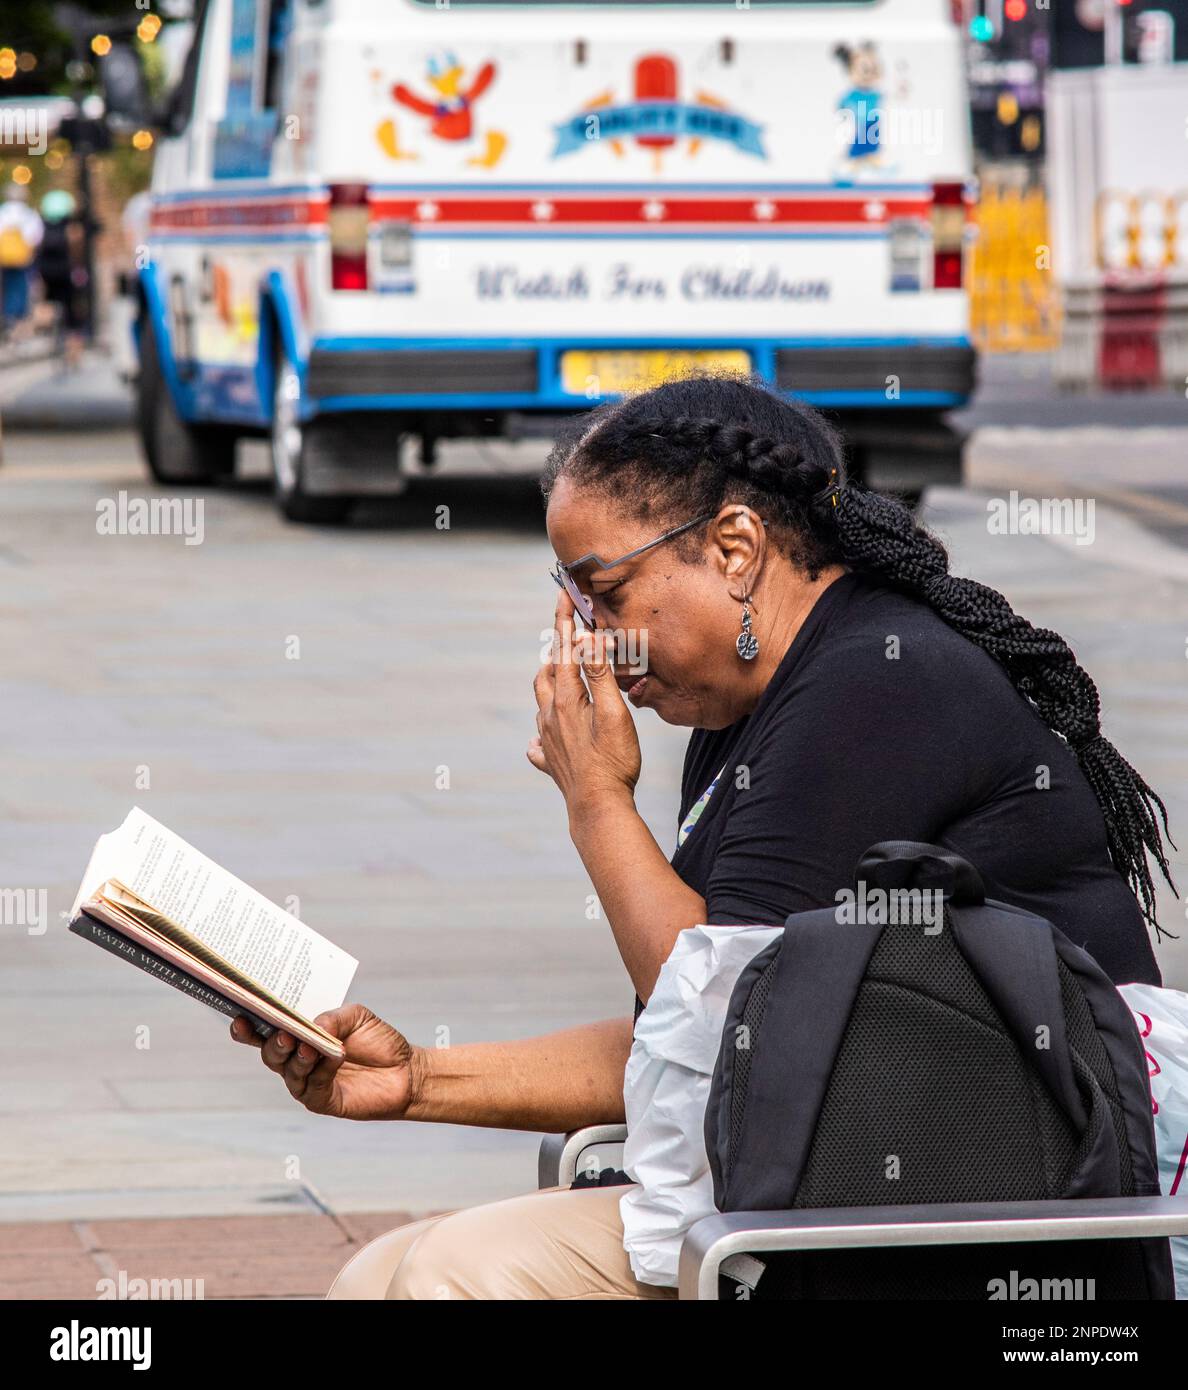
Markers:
point(301, 967)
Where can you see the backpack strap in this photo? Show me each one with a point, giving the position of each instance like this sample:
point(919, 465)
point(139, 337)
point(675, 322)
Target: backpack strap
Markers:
point(1013, 952)
point(820, 967)
point(1116, 1028)
point(1013, 955)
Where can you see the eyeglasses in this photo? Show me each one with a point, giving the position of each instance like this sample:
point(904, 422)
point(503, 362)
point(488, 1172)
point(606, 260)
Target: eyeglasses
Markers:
point(563, 574)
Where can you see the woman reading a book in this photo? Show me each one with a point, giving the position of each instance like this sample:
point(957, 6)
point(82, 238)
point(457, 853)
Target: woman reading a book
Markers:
point(843, 688)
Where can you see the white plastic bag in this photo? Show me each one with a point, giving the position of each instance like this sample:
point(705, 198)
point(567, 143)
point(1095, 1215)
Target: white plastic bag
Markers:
point(666, 1088)
point(1161, 1016)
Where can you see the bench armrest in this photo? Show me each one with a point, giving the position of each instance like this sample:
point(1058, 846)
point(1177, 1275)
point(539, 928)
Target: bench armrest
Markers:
point(561, 1155)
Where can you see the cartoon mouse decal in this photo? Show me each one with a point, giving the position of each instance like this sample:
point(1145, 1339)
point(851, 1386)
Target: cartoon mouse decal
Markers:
point(862, 106)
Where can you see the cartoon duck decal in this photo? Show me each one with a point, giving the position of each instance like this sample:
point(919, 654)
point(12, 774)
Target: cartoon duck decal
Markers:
point(449, 114)
point(862, 106)
point(656, 119)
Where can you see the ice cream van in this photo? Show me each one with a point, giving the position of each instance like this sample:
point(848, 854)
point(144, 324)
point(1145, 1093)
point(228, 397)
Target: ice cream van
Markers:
point(378, 222)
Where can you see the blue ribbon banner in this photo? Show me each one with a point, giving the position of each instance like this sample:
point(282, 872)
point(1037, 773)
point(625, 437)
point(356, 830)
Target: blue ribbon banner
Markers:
point(672, 118)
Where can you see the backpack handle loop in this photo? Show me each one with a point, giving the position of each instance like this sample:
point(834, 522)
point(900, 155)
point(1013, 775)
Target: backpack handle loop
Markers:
point(913, 864)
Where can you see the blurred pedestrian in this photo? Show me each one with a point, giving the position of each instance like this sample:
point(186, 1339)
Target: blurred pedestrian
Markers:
point(63, 270)
point(123, 307)
point(21, 233)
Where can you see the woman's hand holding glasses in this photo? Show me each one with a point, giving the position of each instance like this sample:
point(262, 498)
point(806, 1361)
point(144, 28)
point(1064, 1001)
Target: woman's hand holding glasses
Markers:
point(586, 739)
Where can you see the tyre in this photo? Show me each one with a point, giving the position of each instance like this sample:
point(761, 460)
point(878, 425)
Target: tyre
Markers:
point(292, 442)
point(175, 451)
point(904, 454)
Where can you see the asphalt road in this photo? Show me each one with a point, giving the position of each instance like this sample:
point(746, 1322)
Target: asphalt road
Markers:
point(139, 657)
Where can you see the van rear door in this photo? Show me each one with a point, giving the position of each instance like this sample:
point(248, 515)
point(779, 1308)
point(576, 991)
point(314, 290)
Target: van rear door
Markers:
point(649, 171)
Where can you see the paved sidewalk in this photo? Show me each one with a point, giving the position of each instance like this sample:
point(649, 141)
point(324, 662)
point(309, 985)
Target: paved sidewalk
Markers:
point(42, 392)
point(1020, 389)
point(231, 1257)
point(38, 348)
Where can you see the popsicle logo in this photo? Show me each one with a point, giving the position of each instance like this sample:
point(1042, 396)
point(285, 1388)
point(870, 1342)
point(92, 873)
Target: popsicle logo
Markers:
point(655, 118)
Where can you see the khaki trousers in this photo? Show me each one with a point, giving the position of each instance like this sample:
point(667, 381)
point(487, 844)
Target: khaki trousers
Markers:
point(557, 1243)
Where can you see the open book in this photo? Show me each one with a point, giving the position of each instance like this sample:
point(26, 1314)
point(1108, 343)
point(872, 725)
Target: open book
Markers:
point(157, 902)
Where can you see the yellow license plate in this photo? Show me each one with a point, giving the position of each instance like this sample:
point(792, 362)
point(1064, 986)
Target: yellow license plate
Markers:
point(612, 373)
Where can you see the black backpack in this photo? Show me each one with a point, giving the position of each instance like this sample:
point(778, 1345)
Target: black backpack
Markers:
point(970, 1054)
point(53, 255)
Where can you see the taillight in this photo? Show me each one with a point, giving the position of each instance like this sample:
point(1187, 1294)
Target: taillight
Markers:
point(948, 235)
point(348, 218)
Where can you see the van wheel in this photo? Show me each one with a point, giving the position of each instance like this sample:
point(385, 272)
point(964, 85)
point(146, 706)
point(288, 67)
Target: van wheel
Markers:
point(175, 451)
point(905, 455)
point(291, 442)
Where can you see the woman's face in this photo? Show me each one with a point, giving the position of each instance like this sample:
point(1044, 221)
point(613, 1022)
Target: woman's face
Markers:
point(683, 618)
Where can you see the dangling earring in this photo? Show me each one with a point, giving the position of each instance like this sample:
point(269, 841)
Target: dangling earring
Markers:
point(747, 644)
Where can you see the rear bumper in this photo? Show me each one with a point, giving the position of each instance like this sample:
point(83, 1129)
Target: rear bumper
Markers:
point(891, 372)
point(421, 371)
point(354, 374)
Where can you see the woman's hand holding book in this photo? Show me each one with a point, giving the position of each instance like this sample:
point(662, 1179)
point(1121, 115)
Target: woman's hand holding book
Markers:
point(377, 1079)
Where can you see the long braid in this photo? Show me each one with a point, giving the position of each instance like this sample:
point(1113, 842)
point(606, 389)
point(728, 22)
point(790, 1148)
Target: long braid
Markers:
point(663, 458)
point(880, 536)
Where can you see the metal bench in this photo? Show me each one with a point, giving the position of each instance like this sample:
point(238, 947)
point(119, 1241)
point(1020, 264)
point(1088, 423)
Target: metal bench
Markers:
point(716, 1239)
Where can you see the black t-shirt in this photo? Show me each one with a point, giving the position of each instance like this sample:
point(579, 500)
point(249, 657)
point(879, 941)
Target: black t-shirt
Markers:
point(882, 723)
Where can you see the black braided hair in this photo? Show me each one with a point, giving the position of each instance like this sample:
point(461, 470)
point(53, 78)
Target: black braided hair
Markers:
point(691, 445)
